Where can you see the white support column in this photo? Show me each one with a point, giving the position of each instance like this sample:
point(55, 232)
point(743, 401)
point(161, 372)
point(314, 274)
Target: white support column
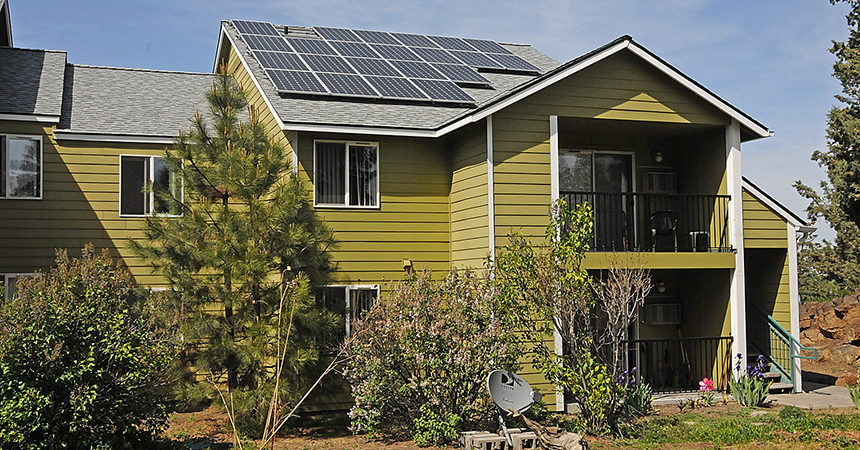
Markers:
point(736, 232)
point(794, 301)
point(553, 167)
point(491, 202)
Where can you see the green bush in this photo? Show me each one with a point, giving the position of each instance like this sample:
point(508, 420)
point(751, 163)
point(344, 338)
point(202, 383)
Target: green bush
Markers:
point(792, 413)
point(419, 366)
point(80, 357)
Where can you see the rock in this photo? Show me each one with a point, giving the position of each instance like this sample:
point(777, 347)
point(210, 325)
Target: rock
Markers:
point(847, 379)
point(805, 323)
point(830, 322)
point(844, 354)
point(758, 413)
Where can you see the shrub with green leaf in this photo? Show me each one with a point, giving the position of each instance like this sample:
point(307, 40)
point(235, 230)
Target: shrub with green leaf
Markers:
point(81, 354)
point(419, 367)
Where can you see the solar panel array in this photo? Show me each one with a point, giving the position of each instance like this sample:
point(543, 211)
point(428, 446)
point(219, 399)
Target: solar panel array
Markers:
point(365, 63)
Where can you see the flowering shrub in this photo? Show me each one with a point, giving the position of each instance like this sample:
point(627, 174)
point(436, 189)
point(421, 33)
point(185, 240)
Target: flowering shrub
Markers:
point(749, 388)
point(420, 365)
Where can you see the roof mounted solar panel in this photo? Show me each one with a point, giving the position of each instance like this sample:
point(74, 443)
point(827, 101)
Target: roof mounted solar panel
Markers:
point(326, 63)
point(347, 84)
point(487, 46)
point(476, 59)
point(414, 40)
point(312, 46)
point(252, 27)
point(337, 34)
point(295, 81)
point(271, 43)
point(376, 37)
point(359, 49)
point(443, 90)
point(459, 73)
point(377, 67)
point(514, 62)
point(280, 60)
point(414, 69)
point(392, 87)
point(452, 43)
point(435, 55)
point(395, 52)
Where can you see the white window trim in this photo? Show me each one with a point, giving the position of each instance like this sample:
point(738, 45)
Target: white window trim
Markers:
point(6, 294)
point(347, 311)
point(151, 194)
point(346, 175)
point(5, 165)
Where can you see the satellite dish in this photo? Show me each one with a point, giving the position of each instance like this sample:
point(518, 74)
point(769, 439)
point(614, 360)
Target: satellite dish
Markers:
point(509, 390)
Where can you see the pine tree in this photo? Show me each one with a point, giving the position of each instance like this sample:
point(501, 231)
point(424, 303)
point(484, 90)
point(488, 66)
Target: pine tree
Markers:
point(241, 232)
point(831, 269)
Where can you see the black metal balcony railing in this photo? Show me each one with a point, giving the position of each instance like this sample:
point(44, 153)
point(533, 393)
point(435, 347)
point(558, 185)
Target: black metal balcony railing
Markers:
point(677, 365)
point(656, 222)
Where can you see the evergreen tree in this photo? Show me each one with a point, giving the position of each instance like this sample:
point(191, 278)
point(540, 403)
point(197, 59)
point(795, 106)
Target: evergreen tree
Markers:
point(830, 269)
point(242, 233)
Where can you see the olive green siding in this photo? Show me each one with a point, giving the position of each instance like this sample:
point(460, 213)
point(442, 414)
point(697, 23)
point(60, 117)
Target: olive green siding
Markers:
point(413, 218)
point(469, 201)
point(762, 227)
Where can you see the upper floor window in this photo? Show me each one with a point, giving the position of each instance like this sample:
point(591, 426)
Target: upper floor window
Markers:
point(20, 167)
point(346, 174)
point(137, 175)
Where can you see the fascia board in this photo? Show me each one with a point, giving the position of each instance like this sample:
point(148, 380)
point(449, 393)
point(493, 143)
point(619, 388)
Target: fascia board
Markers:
point(69, 135)
point(30, 118)
point(780, 210)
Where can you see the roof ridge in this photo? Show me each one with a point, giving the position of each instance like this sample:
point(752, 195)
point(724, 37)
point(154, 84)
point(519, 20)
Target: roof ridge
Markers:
point(132, 69)
point(42, 50)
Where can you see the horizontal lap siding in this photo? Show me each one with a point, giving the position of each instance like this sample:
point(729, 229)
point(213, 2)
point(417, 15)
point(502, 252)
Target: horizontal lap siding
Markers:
point(412, 220)
point(762, 227)
point(469, 203)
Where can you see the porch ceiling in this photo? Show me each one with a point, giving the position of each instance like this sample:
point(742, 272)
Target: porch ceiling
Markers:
point(629, 127)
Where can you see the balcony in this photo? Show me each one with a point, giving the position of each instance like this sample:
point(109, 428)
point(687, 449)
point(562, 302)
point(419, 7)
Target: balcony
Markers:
point(652, 222)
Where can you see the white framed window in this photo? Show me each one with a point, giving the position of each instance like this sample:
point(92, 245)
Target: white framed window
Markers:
point(346, 174)
point(137, 175)
point(20, 167)
point(10, 283)
point(353, 301)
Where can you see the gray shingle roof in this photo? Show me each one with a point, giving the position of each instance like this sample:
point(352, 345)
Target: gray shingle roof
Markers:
point(106, 100)
point(31, 81)
point(294, 109)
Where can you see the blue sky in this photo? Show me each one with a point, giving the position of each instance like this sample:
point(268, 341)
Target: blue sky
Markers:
point(767, 57)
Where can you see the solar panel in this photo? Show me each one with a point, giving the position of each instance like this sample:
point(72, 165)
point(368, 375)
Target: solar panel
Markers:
point(414, 69)
point(443, 90)
point(435, 55)
point(460, 73)
point(251, 27)
point(325, 63)
point(347, 84)
point(475, 59)
point(295, 81)
point(376, 37)
point(451, 43)
point(313, 46)
point(359, 49)
point(377, 67)
point(414, 40)
point(395, 52)
point(514, 62)
point(337, 34)
point(395, 87)
point(487, 46)
point(280, 60)
point(272, 43)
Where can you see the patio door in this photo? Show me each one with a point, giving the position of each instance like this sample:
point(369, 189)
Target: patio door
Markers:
point(602, 179)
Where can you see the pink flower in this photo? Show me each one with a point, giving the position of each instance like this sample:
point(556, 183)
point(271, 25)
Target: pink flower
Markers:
point(706, 385)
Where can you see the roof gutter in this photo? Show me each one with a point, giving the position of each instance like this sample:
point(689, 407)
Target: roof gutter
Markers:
point(69, 135)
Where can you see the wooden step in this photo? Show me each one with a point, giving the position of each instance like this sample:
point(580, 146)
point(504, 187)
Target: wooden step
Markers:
point(781, 388)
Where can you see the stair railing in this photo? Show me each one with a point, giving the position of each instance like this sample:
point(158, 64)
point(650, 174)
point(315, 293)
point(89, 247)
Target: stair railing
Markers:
point(780, 348)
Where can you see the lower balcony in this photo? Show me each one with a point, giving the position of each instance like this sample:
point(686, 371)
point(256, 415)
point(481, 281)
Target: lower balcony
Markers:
point(651, 222)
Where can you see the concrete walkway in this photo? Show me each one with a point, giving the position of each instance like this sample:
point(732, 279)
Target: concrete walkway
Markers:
point(816, 396)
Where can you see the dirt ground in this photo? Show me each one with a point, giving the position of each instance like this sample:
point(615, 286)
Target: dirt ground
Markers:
point(210, 428)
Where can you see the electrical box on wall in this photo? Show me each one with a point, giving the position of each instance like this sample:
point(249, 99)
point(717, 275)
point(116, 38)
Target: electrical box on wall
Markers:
point(664, 314)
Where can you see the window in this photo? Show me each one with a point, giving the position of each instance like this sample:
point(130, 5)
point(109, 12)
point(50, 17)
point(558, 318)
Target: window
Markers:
point(21, 167)
point(346, 174)
point(10, 283)
point(361, 298)
point(137, 174)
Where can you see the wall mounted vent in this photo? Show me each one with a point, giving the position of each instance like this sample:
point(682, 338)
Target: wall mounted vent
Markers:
point(664, 314)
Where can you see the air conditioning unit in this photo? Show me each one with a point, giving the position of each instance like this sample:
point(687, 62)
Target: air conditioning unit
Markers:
point(664, 314)
point(660, 182)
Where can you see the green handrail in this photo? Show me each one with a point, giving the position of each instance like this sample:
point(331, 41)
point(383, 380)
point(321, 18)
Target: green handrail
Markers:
point(782, 347)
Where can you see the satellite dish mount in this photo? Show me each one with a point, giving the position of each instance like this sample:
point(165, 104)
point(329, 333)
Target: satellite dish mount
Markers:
point(510, 392)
